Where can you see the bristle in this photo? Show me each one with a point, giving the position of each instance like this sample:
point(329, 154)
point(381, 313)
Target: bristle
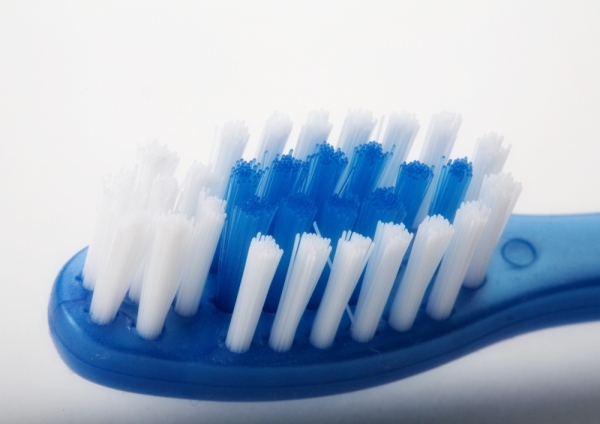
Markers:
point(309, 257)
point(153, 161)
point(244, 180)
point(262, 260)
point(230, 148)
point(499, 192)
point(453, 181)
point(115, 201)
point(362, 175)
point(431, 241)
point(488, 158)
point(315, 131)
point(391, 243)
point(163, 193)
point(439, 141)
point(198, 177)
point(352, 253)
point(203, 244)
point(322, 172)
point(381, 205)
point(413, 182)
point(336, 216)
point(125, 256)
point(248, 218)
point(468, 225)
point(402, 128)
point(171, 241)
point(357, 129)
point(294, 215)
point(275, 134)
point(281, 178)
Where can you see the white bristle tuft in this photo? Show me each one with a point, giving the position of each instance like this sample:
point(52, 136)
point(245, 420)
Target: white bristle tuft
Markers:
point(469, 223)
point(391, 243)
point(115, 202)
point(125, 257)
point(261, 263)
point(274, 136)
point(400, 133)
point(431, 241)
point(163, 194)
point(197, 178)
point(439, 141)
point(499, 192)
point(488, 158)
point(153, 161)
point(171, 242)
point(351, 255)
point(315, 131)
point(357, 129)
point(198, 258)
point(230, 147)
point(308, 259)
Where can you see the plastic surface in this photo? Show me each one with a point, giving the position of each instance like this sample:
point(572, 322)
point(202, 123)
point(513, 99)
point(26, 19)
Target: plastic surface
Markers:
point(544, 272)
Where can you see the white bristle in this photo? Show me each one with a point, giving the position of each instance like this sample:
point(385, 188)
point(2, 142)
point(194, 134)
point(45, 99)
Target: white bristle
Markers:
point(431, 241)
point(197, 178)
point(163, 194)
point(202, 247)
point(351, 255)
point(440, 138)
point(357, 129)
point(153, 161)
point(400, 133)
point(261, 263)
point(274, 136)
point(488, 158)
point(230, 147)
point(308, 259)
point(391, 243)
point(171, 242)
point(315, 131)
point(499, 192)
point(124, 259)
point(468, 224)
point(115, 202)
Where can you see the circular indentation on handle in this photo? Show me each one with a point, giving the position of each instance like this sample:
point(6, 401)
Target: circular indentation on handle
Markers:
point(518, 252)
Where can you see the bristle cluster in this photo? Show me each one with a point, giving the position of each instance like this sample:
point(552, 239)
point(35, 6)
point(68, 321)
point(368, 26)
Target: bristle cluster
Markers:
point(263, 257)
point(431, 241)
point(252, 223)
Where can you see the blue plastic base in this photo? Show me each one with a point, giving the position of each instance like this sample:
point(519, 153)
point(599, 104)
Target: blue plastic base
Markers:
point(545, 272)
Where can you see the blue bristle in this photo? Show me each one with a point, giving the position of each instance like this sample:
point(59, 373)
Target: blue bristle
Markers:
point(295, 215)
point(451, 188)
point(412, 184)
point(250, 217)
point(367, 164)
point(336, 216)
point(322, 172)
point(281, 178)
point(381, 205)
point(243, 183)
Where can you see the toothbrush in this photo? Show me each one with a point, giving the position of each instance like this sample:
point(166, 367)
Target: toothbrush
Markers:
point(195, 357)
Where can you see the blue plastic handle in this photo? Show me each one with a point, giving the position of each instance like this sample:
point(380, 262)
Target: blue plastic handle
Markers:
point(545, 272)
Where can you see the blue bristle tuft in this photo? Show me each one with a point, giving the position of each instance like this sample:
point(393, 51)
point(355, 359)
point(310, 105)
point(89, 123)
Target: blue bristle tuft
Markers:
point(281, 178)
point(381, 205)
point(322, 172)
point(366, 167)
point(243, 183)
point(411, 186)
point(451, 188)
point(295, 215)
point(336, 216)
point(249, 217)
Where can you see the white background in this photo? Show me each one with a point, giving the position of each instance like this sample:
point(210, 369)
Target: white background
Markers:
point(82, 84)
